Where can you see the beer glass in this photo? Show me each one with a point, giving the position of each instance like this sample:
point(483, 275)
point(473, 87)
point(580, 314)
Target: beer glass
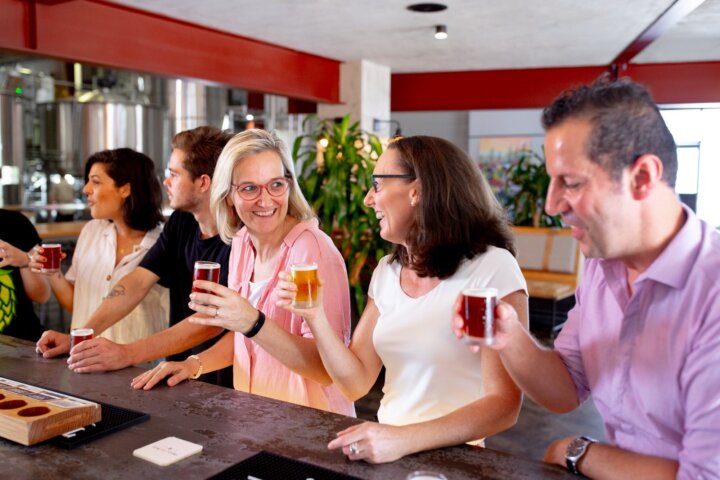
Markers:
point(305, 276)
point(52, 254)
point(478, 312)
point(209, 271)
point(78, 335)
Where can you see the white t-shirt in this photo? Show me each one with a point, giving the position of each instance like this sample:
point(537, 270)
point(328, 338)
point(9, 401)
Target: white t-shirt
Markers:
point(428, 372)
point(94, 274)
point(256, 291)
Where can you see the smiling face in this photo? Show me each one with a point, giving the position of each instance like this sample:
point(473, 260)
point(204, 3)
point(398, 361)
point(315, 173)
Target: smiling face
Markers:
point(600, 212)
point(104, 198)
point(393, 202)
point(183, 192)
point(266, 214)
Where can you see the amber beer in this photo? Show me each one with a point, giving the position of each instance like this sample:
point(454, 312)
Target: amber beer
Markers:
point(305, 276)
point(78, 335)
point(209, 271)
point(52, 254)
point(478, 311)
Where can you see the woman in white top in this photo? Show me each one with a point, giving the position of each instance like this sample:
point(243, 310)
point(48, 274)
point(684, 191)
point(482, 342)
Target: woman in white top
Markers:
point(449, 234)
point(124, 197)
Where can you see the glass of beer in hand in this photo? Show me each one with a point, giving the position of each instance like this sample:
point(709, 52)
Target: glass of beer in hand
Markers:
point(78, 335)
point(52, 253)
point(305, 277)
point(478, 312)
point(209, 271)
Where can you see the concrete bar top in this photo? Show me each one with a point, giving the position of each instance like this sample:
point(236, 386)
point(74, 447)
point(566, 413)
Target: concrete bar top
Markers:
point(230, 425)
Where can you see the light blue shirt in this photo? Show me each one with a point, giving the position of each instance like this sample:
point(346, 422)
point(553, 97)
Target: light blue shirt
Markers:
point(651, 361)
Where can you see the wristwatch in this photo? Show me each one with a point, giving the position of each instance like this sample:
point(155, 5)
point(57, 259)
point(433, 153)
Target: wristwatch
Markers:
point(575, 451)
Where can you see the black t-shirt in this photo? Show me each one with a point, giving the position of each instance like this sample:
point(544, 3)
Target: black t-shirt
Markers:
point(172, 258)
point(17, 317)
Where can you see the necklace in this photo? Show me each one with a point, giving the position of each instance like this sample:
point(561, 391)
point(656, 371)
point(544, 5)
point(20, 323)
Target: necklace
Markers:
point(128, 244)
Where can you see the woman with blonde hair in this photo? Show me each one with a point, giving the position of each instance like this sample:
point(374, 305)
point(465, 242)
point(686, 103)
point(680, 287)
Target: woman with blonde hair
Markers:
point(263, 214)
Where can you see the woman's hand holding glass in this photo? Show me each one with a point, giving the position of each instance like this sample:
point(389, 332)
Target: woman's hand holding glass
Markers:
point(286, 290)
point(37, 260)
point(221, 307)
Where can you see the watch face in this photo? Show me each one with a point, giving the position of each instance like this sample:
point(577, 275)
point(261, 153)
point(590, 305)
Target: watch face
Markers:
point(577, 447)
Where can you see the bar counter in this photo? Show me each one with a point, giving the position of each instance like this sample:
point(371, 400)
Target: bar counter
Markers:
point(60, 230)
point(230, 425)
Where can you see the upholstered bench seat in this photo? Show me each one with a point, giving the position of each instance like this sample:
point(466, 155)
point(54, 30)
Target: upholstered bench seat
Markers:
point(551, 262)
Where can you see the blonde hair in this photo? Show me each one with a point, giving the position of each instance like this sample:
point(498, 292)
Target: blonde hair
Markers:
point(244, 144)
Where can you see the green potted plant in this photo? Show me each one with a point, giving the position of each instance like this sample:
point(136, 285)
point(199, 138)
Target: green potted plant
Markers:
point(527, 190)
point(336, 164)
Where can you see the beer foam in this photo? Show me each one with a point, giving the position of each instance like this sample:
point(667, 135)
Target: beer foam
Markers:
point(51, 245)
point(82, 332)
point(206, 265)
point(304, 267)
point(480, 292)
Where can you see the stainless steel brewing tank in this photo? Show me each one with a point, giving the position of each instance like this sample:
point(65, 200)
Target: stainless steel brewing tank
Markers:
point(12, 148)
point(71, 131)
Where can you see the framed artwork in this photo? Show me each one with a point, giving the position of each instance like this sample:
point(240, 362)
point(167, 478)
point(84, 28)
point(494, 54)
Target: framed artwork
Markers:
point(497, 155)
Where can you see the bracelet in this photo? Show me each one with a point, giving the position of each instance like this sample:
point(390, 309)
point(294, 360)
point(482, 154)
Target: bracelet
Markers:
point(200, 370)
point(258, 325)
point(27, 254)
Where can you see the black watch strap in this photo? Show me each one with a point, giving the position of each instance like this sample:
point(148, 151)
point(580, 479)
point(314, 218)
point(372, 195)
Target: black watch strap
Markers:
point(258, 325)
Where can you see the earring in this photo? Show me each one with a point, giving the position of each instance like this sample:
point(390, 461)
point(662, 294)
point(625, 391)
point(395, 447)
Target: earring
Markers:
point(412, 203)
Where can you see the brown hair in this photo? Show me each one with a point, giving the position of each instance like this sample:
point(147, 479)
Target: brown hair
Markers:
point(202, 147)
point(458, 216)
point(141, 209)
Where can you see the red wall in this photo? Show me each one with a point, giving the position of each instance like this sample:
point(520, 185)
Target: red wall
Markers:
point(535, 88)
point(103, 33)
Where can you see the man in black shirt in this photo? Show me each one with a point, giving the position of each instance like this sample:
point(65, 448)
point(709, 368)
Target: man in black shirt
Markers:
point(18, 286)
point(189, 235)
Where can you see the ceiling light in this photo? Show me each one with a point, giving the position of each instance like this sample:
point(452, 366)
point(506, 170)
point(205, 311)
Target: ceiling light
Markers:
point(440, 32)
point(426, 7)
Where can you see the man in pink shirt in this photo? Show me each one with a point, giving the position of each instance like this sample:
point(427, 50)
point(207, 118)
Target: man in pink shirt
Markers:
point(644, 337)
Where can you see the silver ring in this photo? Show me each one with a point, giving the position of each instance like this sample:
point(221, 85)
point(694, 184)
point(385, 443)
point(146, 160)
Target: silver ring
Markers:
point(354, 448)
point(217, 311)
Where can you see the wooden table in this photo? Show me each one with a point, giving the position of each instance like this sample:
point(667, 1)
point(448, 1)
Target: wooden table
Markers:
point(230, 425)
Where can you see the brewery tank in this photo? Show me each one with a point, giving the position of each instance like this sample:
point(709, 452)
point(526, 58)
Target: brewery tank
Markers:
point(12, 149)
point(71, 131)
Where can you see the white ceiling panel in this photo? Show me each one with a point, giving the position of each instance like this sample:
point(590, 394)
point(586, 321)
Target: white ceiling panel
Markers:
point(695, 38)
point(483, 34)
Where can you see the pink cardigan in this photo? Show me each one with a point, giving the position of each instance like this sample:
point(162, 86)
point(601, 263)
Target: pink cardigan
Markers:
point(255, 370)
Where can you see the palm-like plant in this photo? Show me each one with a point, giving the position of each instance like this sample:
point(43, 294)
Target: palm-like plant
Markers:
point(530, 182)
point(337, 161)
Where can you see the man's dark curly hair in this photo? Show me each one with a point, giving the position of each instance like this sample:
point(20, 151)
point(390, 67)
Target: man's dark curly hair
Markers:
point(626, 123)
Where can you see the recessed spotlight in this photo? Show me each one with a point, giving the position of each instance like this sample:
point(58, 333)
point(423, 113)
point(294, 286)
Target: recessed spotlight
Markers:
point(440, 32)
point(426, 7)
